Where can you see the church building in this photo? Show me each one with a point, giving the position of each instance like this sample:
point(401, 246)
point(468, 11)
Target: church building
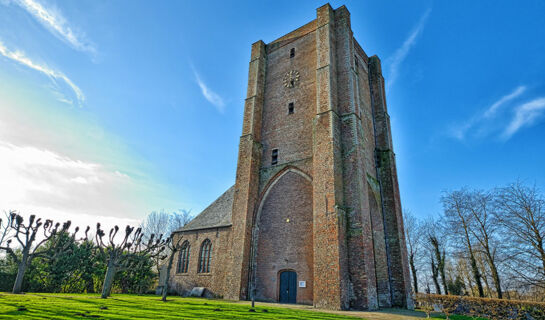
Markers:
point(314, 216)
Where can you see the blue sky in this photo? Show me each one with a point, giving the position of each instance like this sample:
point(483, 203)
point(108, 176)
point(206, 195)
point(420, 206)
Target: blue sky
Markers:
point(112, 109)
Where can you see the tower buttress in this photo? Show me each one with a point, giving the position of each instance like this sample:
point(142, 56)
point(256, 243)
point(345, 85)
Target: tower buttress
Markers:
point(330, 256)
point(391, 204)
point(247, 178)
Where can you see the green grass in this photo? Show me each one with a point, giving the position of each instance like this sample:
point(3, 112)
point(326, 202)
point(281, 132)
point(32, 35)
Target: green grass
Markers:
point(122, 306)
point(125, 306)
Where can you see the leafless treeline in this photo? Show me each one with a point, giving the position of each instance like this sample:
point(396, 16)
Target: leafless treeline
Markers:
point(486, 243)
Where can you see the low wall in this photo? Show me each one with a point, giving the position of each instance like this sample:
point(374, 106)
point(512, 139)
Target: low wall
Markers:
point(481, 307)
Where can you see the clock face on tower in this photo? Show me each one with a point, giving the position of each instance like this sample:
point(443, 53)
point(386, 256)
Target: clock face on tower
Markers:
point(291, 78)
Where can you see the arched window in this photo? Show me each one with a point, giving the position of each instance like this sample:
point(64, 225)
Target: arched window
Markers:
point(183, 262)
point(206, 252)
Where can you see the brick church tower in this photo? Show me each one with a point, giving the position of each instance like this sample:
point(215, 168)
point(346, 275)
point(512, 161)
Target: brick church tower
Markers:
point(315, 214)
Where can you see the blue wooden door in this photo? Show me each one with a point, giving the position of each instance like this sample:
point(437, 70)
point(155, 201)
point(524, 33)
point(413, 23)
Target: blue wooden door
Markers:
point(288, 287)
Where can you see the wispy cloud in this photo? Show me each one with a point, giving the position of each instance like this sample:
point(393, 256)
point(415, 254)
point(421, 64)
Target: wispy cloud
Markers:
point(55, 75)
point(401, 53)
point(502, 118)
point(459, 131)
point(210, 95)
point(525, 115)
point(55, 22)
point(491, 111)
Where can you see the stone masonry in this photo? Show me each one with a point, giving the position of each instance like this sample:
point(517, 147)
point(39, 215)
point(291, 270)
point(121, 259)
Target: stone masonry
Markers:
point(316, 191)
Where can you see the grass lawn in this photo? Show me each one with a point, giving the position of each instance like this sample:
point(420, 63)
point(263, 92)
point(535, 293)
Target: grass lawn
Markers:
point(123, 306)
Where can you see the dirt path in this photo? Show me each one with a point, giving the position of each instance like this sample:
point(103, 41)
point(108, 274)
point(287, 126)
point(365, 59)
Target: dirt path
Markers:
point(384, 314)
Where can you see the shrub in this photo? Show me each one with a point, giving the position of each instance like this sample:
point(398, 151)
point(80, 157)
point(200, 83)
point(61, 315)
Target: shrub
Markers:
point(484, 307)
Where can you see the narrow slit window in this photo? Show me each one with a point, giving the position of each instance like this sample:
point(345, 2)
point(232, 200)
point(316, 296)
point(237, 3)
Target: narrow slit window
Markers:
point(291, 108)
point(356, 62)
point(292, 52)
point(274, 157)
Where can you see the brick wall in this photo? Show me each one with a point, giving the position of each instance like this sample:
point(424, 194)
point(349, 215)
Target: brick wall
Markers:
point(346, 238)
point(214, 281)
point(284, 237)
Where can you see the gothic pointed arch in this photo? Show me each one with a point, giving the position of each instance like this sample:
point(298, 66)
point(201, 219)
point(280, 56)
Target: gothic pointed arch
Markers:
point(275, 180)
point(281, 233)
point(204, 256)
point(183, 258)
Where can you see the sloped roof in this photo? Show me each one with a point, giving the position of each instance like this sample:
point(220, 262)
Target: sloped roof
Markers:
point(218, 214)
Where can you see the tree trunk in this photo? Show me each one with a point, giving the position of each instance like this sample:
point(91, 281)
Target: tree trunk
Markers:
point(435, 275)
point(476, 273)
point(481, 265)
point(167, 276)
point(441, 266)
point(18, 285)
point(493, 270)
point(540, 248)
point(413, 270)
point(108, 279)
point(496, 278)
point(443, 278)
point(474, 268)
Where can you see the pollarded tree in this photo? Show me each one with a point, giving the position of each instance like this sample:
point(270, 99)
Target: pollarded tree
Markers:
point(5, 227)
point(173, 247)
point(125, 253)
point(26, 236)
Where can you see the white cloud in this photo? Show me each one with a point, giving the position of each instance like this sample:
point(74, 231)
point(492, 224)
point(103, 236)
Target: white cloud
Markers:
point(48, 184)
point(525, 116)
point(20, 57)
point(54, 21)
point(486, 121)
point(491, 111)
point(401, 53)
point(459, 131)
point(210, 95)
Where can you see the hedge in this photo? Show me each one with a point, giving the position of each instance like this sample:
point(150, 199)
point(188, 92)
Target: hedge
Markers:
point(481, 307)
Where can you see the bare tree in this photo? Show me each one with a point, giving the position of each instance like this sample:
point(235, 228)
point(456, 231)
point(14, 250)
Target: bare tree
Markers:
point(484, 228)
point(414, 235)
point(440, 256)
point(435, 274)
point(180, 219)
point(124, 254)
point(164, 223)
point(458, 218)
point(5, 227)
point(436, 250)
point(26, 236)
point(174, 247)
point(521, 211)
point(156, 223)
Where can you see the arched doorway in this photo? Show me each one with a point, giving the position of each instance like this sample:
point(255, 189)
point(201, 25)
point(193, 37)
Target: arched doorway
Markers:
point(283, 240)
